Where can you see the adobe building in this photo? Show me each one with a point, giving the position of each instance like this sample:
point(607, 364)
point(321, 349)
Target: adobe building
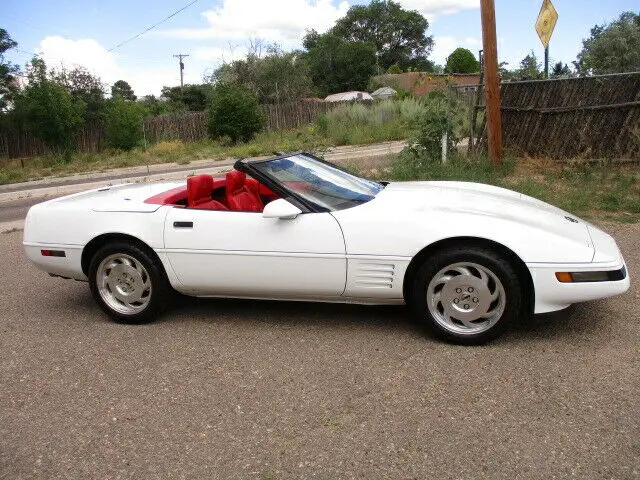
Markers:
point(421, 83)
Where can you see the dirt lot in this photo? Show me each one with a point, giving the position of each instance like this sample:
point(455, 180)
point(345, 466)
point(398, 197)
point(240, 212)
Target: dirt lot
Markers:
point(244, 389)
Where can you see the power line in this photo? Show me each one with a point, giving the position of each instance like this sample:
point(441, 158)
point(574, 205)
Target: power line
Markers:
point(153, 26)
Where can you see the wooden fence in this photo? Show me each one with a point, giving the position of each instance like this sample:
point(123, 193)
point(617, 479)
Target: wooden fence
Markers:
point(584, 117)
point(294, 115)
point(187, 127)
point(19, 144)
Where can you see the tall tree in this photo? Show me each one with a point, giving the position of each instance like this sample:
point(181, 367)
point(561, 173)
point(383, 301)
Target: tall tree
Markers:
point(338, 65)
point(277, 77)
point(123, 90)
point(612, 48)
point(193, 98)
point(462, 60)
point(529, 67)
point(560, 70)
point(48, 110)
point(83, 86)
point(155, 106)
point(8, 84)
point(398, 36)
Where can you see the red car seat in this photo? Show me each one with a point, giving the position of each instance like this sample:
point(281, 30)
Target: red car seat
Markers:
point(243, 193)
point(199, 188)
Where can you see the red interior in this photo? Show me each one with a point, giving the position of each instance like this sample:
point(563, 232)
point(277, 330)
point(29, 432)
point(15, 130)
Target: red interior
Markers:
point(243, 193)
point(211, 193)
point(199, 193)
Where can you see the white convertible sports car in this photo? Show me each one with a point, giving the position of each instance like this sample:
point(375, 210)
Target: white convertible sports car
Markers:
point(468, 258)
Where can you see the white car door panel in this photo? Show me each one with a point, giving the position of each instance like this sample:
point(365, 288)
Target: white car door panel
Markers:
point(244, 254)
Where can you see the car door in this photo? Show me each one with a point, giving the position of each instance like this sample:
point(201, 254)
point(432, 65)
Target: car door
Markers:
point(244, 254)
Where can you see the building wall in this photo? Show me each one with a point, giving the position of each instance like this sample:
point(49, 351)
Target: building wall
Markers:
point(421, 83)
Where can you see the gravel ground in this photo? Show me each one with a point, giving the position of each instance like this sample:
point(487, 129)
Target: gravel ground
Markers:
point(266, 390)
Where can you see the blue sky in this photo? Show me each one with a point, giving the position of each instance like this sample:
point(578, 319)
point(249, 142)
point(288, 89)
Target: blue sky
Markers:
point(74, 32)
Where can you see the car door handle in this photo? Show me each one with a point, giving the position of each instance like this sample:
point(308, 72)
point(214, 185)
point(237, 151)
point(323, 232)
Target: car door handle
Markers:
point(182, 224)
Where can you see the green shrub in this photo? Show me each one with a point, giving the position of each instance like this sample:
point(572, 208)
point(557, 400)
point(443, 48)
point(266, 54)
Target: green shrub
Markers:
point(234, 112)
point(442, 113)
point(410, 110)
point(123, 123)
point(384, 111)
point(350, 114)
point(322, 123)
point(51, 114)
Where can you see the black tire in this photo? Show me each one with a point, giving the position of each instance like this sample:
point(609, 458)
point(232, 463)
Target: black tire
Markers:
point(506, 307)
point(156, 297)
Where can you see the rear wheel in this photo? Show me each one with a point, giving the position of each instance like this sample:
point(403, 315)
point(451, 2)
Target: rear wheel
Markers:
point(467, 295)
point(127, 283)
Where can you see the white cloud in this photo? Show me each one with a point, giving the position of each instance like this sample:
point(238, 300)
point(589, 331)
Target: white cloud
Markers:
point(430, 8)
point(444, 45)
point(442, 48)
point(88, 53)
point(473, 42)
point(218, 54)
point(282, 21)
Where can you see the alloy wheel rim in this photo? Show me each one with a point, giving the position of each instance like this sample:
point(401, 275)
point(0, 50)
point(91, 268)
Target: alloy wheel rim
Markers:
point(124, 284)
point(466, 298)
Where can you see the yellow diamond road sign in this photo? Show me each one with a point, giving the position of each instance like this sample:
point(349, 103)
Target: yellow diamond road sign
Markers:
point(546, 22)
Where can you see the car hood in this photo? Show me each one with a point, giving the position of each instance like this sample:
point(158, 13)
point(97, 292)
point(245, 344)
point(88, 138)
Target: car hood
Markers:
point(480, 200)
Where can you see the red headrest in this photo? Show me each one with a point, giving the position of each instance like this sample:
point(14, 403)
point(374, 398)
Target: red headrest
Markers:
point(235, 180)
point(199, 187)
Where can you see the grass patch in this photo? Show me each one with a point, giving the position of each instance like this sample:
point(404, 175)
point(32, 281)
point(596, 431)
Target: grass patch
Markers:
point(593, 190)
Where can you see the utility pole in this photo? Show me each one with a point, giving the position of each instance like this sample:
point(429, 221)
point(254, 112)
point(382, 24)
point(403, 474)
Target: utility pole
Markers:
point(492, 81)
point(181, 56)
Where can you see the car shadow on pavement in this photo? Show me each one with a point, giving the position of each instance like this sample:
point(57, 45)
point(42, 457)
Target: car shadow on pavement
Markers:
point(577, 321)
point(288, 313)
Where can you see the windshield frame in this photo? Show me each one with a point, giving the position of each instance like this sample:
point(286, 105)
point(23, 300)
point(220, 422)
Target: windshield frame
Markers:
point(306, 205)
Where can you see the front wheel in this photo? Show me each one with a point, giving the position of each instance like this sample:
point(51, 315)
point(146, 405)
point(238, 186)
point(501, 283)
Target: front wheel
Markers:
point(467, 295)
point(127, 283)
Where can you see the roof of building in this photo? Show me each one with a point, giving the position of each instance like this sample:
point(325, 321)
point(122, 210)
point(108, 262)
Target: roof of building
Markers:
point(348, 96)
point(383, 92)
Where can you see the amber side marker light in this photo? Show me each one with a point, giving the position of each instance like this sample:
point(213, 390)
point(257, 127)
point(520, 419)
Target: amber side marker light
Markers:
point(600, 276)
point(564, 277)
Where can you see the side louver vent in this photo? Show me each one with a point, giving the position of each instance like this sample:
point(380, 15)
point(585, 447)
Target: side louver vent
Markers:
point(374, 275)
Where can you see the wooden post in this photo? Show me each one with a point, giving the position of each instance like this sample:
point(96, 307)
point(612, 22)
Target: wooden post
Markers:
point(492, 81)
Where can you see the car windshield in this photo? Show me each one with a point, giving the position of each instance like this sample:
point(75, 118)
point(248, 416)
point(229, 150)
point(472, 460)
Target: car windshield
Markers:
point(317, 182)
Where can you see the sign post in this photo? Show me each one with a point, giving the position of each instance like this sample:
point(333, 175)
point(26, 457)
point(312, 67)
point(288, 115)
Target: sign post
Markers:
point(545, 24)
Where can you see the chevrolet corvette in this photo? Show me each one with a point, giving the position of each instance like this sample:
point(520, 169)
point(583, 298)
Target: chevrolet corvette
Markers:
point(466, 258)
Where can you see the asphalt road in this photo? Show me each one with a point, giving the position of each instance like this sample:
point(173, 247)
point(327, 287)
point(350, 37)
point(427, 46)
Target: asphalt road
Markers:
point(266, 390)
point(17, 209)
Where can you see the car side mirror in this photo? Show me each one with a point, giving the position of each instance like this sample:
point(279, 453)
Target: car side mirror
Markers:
point(282, 209)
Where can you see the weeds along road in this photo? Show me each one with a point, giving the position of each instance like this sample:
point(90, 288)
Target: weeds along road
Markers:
point(266, 390)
